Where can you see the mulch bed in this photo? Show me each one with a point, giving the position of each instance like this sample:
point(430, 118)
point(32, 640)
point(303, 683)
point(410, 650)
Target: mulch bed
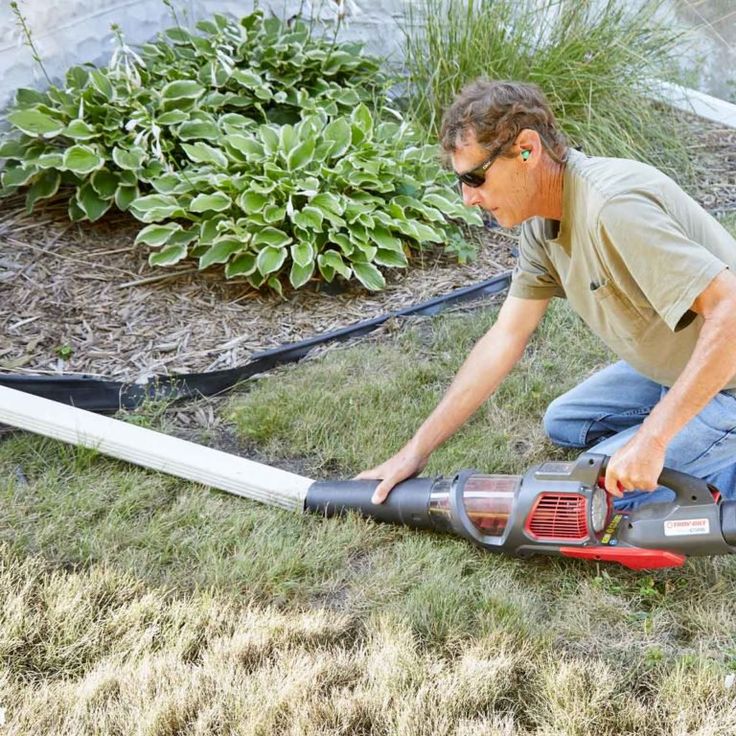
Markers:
point(85, 290)
point(83, 299)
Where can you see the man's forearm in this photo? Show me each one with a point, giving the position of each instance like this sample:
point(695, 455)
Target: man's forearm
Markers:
point(484, 369)
point(711, 366)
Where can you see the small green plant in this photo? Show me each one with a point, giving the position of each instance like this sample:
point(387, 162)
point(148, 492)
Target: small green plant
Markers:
point(65, 351)
point(461, 248)
point(648, 589)
point(653, 656)
point(606, 582)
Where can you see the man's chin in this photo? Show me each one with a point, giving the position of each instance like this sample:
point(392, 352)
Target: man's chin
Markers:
point(501, 218)
point(505, 219)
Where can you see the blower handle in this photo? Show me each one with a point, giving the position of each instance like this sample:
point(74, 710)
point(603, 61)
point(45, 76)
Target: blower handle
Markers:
point(689, 490)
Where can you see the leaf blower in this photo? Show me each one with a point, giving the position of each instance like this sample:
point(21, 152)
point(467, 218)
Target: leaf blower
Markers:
point(558, 508)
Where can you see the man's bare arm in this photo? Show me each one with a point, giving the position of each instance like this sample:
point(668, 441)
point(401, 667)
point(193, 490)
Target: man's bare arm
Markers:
point(712, 364)
point(490, 361)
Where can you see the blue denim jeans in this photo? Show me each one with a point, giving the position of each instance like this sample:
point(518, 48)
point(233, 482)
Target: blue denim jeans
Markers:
point(603, 412)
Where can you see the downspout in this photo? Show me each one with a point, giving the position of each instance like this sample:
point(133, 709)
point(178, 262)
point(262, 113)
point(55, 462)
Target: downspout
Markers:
point(153, 450)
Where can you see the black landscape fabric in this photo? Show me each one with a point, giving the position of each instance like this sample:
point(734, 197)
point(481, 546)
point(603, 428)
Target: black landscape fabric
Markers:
point(99, 395)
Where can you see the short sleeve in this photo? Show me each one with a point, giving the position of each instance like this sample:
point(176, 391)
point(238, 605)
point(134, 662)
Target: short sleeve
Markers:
point(534, 276)
point(670, 269)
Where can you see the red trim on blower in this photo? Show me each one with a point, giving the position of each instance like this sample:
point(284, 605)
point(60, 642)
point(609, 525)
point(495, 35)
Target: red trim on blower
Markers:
point(558, 517)
point(633, 557)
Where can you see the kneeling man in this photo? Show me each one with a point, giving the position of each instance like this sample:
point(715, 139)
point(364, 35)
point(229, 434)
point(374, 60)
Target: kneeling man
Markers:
point(648, 270)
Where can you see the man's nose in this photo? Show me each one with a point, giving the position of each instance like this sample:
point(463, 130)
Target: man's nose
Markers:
point(470, 195)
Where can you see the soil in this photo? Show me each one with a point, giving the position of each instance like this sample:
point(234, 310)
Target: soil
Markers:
point(83, 299)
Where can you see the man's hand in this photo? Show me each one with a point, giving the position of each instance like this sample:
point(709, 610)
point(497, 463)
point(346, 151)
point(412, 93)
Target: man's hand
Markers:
point(639, 462)
point(404, 464)
point(635, 466)
point(489, 362)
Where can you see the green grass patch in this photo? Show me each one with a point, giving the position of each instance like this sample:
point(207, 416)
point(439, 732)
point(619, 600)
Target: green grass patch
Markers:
point(93, 509)
point(355, 407)
point(128, 596)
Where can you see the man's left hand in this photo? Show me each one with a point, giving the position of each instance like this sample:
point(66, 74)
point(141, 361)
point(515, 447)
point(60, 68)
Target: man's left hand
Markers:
point(635, 466)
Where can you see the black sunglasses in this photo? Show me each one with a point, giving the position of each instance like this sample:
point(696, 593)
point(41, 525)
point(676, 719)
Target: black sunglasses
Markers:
point(477, 177)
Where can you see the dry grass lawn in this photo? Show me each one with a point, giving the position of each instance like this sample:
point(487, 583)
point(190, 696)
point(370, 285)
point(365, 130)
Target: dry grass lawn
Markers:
point(134, 603)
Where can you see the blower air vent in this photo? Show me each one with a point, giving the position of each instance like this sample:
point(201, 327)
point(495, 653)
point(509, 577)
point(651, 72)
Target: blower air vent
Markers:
point(557, 516)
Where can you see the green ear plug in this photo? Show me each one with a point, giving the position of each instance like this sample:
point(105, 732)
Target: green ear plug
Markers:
point(525, 154)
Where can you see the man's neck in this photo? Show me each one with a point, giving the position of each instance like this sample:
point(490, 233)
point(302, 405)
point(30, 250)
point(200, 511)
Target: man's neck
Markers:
point(550, 190)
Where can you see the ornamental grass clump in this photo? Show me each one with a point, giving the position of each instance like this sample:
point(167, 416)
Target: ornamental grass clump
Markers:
point(598, 63)
point(253, 143)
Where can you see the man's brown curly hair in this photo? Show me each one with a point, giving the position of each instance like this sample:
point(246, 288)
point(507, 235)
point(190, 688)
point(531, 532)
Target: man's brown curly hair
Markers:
point(497, 111)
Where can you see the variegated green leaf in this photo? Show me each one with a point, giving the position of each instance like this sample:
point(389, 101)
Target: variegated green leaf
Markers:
point(221, 251)
point(215, 202)
point(300, 275)
point(270, 259)
point(35, 123)
point(168, 256)
point(82, 159)
point(157, 234)
point(369, 276)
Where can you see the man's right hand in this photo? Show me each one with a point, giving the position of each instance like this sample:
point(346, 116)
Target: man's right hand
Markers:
point(494, 355)
point(404, 464)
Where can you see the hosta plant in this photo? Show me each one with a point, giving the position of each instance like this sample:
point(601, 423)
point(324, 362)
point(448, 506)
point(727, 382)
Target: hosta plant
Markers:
point(204, 117)
point(329, 196)
point(108, 131)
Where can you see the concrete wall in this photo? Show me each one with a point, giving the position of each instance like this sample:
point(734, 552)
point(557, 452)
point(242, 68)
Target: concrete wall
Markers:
point(68, 32)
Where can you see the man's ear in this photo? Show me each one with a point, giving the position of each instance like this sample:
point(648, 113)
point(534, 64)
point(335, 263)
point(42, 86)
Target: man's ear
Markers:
point(528, 146)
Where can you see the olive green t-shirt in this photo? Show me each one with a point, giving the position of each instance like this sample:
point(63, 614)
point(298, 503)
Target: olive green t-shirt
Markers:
point(631, 254)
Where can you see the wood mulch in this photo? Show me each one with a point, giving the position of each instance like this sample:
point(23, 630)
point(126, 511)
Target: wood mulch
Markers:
point(83, 299)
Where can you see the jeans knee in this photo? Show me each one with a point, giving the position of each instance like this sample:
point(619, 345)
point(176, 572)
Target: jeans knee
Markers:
point(559, 426)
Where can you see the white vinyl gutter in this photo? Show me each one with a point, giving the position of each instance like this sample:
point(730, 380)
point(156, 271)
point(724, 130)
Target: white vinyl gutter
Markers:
point(153, 450)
